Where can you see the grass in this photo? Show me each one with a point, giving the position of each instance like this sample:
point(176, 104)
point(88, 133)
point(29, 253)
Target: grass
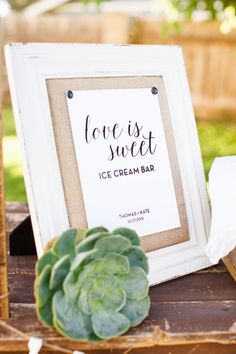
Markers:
point(216, 139)
point(14, 181)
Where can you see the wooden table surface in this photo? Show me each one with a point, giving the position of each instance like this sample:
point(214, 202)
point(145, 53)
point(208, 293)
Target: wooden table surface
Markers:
point(195, 314)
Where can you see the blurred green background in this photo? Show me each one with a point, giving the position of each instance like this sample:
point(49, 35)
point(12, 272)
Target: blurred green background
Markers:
point(206, 29)
point(14, 182)
point(216, 139)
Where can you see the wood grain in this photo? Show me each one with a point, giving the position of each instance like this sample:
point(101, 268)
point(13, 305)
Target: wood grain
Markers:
point(230, 263)
point(3, 251)
point(195, 314)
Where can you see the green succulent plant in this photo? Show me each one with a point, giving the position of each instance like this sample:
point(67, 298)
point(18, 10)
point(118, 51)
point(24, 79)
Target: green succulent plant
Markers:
point(92, 285)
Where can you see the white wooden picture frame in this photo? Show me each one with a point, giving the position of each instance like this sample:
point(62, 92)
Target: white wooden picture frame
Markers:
point(31, 70)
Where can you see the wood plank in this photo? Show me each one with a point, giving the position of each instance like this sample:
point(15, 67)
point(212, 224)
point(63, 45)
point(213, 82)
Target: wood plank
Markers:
point(192, 314)
point(21, 288)
point(4, 313)
point(210, 348)
point(218, 268)
point(22, 265)
point(16, 207)
point(231, 266)
point(16, 212)
point(167, 325)
point(196, 287)
point(186, 317)
point(194, 317)
point(180, 349)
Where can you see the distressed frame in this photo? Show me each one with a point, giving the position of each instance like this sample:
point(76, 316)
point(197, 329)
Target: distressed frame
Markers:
point(31, 65)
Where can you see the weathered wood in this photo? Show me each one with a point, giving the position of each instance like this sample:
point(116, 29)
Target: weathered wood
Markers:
point(16, 212)
point(22, 265)
point(230, 263)
point(194, 287)
point(3, 251)
point(195, 320)
point(180, 329)
point(193, 314)
point(21, 288)
point(210, 348)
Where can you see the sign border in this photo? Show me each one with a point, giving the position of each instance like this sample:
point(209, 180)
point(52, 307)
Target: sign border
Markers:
point(30, 65)
point(69, 168)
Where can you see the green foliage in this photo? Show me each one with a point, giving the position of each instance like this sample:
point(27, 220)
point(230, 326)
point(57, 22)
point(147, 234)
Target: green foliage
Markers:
point(14, 181)
point(96, 2)
point(19, 5)
point(213, 7)
point(93, 285)
point(216, 139)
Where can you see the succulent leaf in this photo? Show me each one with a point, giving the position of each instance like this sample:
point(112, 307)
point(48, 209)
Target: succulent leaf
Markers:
point(82, 258)
point(92, 285)
point(113, 244)
point(88, 274)
point(106, 325)
point(109, 299)
point(135, 283)
point(88, 243)
point(131, 235)
point(68, 319)
point(80, 235)
point(94, 339)
point(83, 302)
point(136, 311)
point(71, 287)
point(44, 292)
point(137, 258)
point(59, 271)
point(66, 243)
point(113, 263)
point(114, 299)
point(48, 258)
point(101, 281)
point(95, 230)
point(45, 313)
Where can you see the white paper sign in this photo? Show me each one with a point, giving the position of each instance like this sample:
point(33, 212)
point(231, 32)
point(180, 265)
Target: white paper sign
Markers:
point(123, 160)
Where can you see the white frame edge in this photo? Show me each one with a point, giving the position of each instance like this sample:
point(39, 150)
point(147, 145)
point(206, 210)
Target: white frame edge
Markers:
point(29, 65)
